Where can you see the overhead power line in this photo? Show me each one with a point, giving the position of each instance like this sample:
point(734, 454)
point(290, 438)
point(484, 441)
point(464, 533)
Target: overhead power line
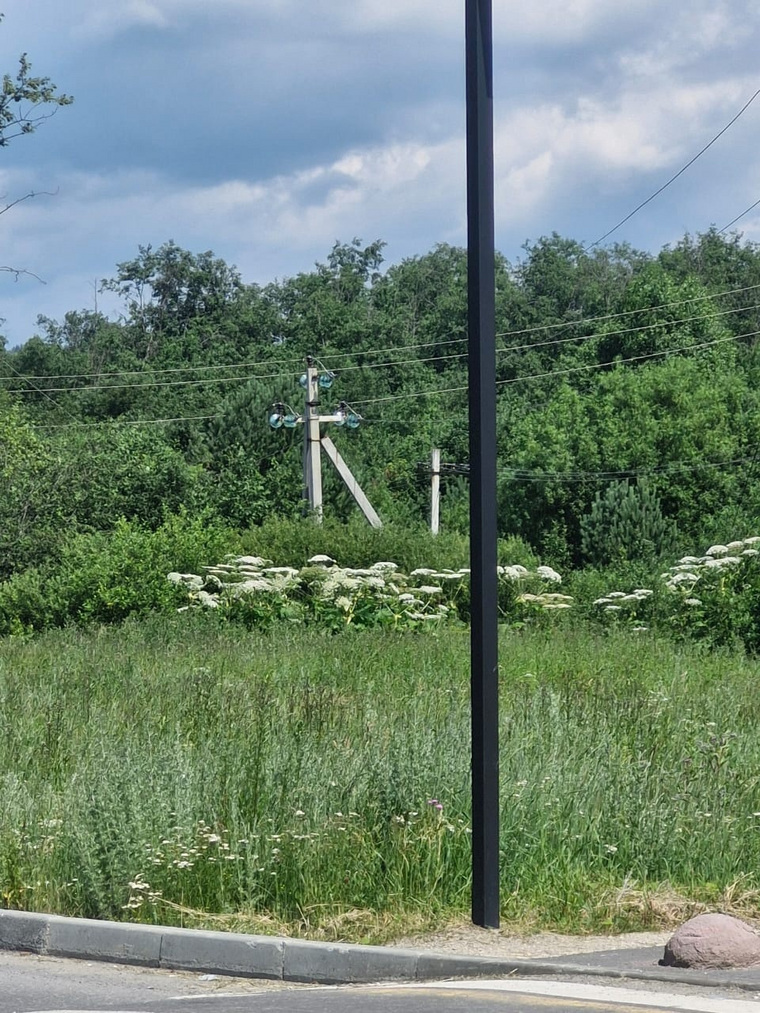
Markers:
point(733, 221)
point(521, 475)
point(102, 387)
point(631, 330)
point(699, 346)
point(128, 422)
point(564, 341)
point(97, 373)
point(627, 313)
point(675, 176)
point(541, 328)
point(39, 391)
point(633, 358)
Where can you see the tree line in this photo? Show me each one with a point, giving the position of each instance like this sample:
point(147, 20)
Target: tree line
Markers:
point(627, 396)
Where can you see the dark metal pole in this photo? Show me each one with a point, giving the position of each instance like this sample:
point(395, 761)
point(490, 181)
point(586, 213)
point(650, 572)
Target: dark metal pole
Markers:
point(482, 394)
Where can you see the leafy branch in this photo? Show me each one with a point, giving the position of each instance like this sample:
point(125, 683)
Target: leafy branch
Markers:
point(25, 102)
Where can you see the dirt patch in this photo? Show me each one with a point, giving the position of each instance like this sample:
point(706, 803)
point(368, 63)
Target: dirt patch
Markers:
point(470, 940)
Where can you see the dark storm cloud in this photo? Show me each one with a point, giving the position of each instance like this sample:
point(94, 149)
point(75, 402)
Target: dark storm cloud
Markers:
point(266, 130)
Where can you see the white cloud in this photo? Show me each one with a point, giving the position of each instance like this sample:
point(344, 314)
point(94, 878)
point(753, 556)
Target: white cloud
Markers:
point(597, 104)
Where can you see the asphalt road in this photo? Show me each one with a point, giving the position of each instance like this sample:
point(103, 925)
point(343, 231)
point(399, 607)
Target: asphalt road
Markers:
point(31, 984)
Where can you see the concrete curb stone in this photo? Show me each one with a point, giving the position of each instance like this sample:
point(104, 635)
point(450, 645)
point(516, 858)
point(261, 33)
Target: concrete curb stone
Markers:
point(285, 959)
point(222, 953)
point(331, 963)
point(84, 938)
point(22, 931)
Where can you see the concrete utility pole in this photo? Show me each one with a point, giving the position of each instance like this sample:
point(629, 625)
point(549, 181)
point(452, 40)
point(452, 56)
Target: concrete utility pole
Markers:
point(435, 492)
point(312, 463)
point(315, 443)
point(438, 469)
point(484, 660)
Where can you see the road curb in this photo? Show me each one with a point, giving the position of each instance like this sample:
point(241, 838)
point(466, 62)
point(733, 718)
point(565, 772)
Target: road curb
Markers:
point(283, 959)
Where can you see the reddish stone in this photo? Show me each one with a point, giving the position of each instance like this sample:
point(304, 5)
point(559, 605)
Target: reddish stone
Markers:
point(713, 940)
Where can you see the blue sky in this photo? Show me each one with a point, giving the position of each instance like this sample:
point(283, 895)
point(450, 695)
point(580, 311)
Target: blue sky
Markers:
point(264, 130)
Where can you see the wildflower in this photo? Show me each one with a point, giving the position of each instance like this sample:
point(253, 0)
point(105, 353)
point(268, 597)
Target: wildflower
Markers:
point(435, 804)
point(717, 550)
point(515, 572)
point(549, 574)
point(610, 848)
point(718, 564)
point(681, 578)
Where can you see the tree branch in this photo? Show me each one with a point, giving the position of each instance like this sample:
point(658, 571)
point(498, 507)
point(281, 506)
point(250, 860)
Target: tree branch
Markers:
point(18, 271)
point(28, 196)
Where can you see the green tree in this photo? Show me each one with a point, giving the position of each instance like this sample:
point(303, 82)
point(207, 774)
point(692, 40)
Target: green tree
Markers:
point(26, 101)
point(626, 523)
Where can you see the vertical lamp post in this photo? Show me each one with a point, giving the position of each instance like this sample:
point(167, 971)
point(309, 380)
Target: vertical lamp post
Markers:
point(482, 401)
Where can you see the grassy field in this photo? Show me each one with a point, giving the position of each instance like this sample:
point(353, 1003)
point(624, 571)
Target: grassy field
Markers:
point(180, 771)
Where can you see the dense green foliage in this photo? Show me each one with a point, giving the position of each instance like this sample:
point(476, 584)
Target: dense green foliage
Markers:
point(174, 771)
point(624, 379)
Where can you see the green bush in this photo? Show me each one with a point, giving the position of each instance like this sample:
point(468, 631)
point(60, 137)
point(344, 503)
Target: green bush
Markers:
point(716, 597)
point(105, 577)
point(291, 542)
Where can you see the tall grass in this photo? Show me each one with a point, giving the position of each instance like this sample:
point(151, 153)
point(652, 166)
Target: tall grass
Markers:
point(196, 773)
